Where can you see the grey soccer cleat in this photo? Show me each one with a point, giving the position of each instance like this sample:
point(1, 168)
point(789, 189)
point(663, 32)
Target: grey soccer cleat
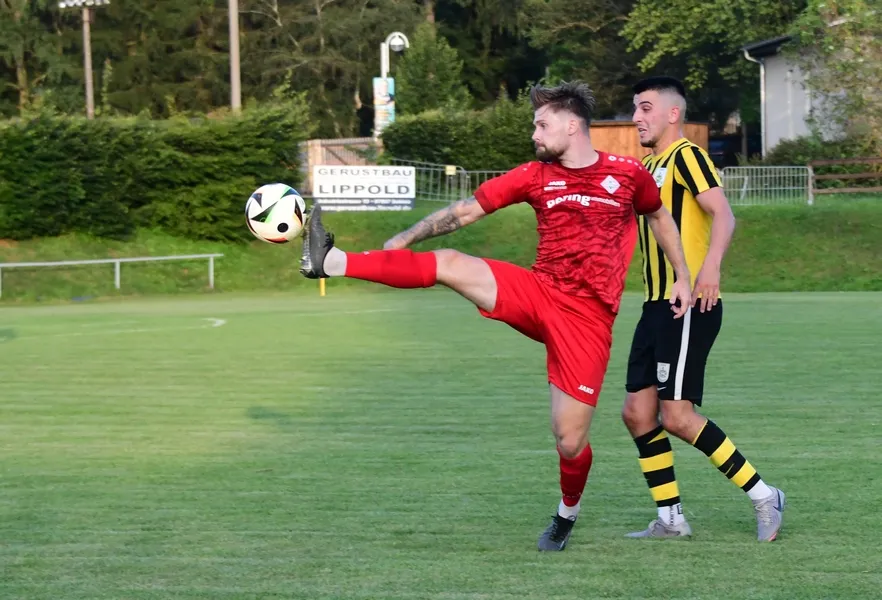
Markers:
point(316, 243)
point(556, 536)
point(660, 529)
point(769, 514)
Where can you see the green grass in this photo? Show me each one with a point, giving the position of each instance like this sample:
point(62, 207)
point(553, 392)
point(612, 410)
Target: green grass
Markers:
point(798, 198)
point(834, 245)
point(146, 454)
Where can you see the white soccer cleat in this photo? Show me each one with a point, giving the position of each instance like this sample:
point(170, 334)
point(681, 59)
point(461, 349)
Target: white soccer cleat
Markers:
point(769, 515)
point(660, 529)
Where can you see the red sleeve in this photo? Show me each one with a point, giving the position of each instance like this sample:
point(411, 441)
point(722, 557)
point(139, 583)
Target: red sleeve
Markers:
point(646, 197)
point(506, 189)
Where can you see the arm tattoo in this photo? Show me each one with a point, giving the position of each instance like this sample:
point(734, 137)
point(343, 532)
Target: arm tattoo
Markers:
point(438, 223)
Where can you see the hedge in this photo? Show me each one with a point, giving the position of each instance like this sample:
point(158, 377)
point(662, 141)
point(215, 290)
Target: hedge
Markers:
point(493, 139)
point(108, 177)
point(801, 150)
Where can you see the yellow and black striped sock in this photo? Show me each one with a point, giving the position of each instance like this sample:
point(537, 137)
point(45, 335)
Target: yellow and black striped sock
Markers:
point(657, 464)
point(725, 456)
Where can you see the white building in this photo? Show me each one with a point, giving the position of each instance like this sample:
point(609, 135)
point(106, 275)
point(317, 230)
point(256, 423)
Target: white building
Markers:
point(786, 104)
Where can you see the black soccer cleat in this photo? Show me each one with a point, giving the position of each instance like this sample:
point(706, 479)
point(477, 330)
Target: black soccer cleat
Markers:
point(555, 538)
point(316, 244)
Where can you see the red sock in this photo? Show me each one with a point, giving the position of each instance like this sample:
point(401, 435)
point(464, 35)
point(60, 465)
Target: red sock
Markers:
point(395, 268)
point(574, 474)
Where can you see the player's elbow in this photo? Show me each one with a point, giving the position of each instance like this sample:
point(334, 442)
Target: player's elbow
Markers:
point(728, 216)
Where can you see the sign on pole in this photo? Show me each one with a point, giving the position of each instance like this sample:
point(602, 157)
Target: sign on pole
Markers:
point(384, 103)
point(364, 188)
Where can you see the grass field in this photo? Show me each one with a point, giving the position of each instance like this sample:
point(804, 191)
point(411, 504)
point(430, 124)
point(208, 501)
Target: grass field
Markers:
point(834, 245)
point(396, 445)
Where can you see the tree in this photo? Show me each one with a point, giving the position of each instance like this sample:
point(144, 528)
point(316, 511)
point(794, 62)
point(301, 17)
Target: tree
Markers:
point(166, 57)
point(327, 48)
point(701, 42)
point(28, 50)
point(429, 75)
point(581, 39)
point(161, 57)
point(838, 46)
point(489, 36)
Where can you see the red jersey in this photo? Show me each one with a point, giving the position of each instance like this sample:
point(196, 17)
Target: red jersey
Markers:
point(585, 220)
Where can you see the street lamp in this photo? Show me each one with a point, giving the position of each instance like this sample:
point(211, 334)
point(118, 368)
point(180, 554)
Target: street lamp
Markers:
point(86, 6)
point(397, 42)
point(384, 86)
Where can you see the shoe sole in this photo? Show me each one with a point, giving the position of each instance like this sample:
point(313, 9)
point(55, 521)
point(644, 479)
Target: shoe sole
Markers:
point(562, 547)
point(316, 214)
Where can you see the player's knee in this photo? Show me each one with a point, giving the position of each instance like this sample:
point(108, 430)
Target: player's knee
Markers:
point(571, 446)
point(448, 261)
point(678, 422)
point(636, 416)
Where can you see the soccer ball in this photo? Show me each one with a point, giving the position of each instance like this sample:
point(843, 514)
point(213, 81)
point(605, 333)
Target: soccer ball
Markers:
point(275, 213)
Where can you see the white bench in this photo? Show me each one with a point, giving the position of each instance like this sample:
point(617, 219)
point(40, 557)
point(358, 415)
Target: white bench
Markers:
point(116, 265)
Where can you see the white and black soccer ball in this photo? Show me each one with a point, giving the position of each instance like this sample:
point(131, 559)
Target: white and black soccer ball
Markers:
point(275, 213)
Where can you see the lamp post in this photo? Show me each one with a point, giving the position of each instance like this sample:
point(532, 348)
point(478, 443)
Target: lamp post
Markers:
point(235, 77)
point(384, 86)
point(86, 6)
point(397, 42)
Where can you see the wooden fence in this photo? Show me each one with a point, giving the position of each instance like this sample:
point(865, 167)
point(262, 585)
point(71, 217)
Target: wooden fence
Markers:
point(616, 137)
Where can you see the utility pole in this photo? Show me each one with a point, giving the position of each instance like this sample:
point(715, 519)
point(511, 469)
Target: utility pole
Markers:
point(88, 15)
point(235, 76)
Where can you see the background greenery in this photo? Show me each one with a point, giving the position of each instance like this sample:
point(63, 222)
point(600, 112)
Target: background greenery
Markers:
point(109, 176)
point(830, 246)
point(167, 57)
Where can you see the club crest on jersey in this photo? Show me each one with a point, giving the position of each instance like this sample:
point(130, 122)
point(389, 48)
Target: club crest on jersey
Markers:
point(610, 184)
point(659, 176)
point(663, 371)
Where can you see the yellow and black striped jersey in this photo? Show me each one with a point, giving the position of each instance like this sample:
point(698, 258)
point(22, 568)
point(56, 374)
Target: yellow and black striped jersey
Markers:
point(681, 172)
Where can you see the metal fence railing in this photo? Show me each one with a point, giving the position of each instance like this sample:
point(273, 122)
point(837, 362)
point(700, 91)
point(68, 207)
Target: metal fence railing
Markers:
point(117, 265)
point(438, 183)
point(445, 183)
point(476, 178)
point(747, 186)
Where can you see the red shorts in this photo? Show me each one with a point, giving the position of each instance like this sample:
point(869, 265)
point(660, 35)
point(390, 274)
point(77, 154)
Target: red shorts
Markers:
point(576, 331)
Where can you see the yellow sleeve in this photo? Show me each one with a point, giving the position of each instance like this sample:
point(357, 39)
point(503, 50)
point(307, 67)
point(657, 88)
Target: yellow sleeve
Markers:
point(695, 171)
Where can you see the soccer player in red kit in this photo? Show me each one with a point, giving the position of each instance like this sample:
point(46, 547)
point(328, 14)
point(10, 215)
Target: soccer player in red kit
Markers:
point(585, 203)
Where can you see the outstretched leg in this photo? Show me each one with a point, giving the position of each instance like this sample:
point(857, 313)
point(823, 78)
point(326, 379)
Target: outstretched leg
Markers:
point(469, 276)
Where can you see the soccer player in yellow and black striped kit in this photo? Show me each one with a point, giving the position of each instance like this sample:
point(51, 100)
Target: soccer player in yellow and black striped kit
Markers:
point(665, 379)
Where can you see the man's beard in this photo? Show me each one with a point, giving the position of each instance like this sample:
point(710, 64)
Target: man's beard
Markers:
point(545, 154)
point(648, 142)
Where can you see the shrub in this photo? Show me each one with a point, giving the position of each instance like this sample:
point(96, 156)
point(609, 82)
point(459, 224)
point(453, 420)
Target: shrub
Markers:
point(497, 138)
point(106, 177)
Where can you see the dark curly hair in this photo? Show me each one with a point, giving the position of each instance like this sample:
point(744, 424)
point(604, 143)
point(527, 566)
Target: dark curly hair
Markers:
point(575, 97)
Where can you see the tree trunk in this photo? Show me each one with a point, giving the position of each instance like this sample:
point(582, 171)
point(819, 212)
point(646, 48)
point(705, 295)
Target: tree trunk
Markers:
point(21, 71)
point(429, 8)
point(21, 79)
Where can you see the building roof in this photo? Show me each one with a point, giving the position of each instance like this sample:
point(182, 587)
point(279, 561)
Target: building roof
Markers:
point(766, 47)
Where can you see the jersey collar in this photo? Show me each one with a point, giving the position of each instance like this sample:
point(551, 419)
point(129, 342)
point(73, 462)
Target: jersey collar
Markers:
point(667, 151)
